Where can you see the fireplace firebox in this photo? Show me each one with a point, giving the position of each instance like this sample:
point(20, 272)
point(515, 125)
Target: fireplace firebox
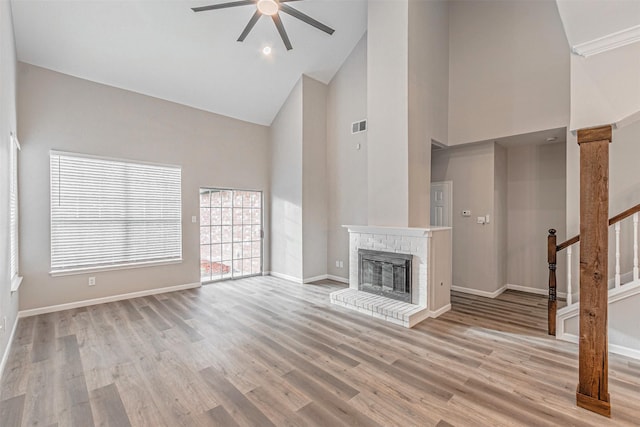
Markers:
point(385, 273)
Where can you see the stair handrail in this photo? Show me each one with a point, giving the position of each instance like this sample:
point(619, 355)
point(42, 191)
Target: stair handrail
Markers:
point(553, 249)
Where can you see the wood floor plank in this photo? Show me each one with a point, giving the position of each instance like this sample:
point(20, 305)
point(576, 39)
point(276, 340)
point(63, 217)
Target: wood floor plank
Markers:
point(234, 398)
point(266, 351)
point(11, 411)
point(44, 339)
point(220, 417)
point(108, 407)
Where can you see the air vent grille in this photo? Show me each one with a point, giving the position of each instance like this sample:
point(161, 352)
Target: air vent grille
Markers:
point(357, 127)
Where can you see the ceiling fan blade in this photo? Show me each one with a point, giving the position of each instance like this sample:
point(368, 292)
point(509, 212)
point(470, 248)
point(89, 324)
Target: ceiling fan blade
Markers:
point(249, 26)
point(305, 18)
point(223, 5)
point(281, 30)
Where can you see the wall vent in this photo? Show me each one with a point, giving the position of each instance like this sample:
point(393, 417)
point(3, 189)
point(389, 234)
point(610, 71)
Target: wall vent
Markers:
point(357, 127)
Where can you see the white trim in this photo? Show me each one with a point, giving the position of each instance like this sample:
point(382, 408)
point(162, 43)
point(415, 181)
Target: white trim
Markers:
point(102, 300)
point(394, 231)
point(87, 270)
point(478, 292)
point(111, 159)
point(15, 283)
point(337, 279)
point(5, 356)
point(624, 351)
point(285, 277)
point(440, 311)
point(613, 348)
point(530, 290)
point(608, 42)
point(626, 121)
point(316, 278)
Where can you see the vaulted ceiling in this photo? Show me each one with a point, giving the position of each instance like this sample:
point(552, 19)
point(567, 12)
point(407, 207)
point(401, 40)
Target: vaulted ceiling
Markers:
point(163, 49)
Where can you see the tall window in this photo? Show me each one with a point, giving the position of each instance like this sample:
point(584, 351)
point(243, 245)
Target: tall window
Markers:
point(13, 212)
point(108, 213)
point(230, 233)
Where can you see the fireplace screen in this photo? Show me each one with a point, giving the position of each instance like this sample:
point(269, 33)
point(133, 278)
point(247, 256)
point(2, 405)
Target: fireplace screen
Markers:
point(385, 273)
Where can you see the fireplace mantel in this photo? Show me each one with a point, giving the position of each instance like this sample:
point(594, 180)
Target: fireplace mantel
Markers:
point(396, 231)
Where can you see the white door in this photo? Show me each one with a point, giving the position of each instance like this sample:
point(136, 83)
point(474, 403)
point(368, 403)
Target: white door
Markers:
point(441, 203)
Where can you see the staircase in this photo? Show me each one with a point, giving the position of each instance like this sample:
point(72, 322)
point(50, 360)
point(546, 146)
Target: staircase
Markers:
point(624, 288)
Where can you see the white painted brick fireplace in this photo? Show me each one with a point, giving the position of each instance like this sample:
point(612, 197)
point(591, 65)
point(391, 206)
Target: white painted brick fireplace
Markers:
point(431, 273)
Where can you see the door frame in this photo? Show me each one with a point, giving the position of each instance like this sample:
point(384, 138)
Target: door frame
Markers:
point(449, 189)
point(262, 233)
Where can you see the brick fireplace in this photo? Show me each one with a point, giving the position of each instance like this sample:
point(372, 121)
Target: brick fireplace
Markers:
point(429, 253)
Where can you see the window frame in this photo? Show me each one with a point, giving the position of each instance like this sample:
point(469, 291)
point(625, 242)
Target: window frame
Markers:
point(116, 266)
point(14, 214)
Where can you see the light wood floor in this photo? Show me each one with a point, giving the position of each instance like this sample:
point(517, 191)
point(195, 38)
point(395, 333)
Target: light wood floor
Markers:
point(263, 352)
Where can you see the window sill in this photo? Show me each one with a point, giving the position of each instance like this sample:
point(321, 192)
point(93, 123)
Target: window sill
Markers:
point(74, 272)
point(15, 283)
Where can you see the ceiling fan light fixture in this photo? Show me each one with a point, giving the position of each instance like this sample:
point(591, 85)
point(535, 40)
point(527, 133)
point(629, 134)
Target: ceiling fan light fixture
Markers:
point(268, 7)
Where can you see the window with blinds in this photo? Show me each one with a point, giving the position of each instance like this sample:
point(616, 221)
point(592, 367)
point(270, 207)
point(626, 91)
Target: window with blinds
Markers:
point(108, 213)
point(13, 209)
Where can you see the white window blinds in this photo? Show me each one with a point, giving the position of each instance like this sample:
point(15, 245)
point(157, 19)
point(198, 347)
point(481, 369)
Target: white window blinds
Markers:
point(110, 213)
point(13, 208)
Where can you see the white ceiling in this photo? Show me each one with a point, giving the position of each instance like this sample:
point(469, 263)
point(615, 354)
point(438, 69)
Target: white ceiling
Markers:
point(163, 49)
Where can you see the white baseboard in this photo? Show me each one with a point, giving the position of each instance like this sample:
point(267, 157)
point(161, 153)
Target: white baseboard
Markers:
point(478, 292)
point(440, 311)
point(285, 277)
point(537, 291)
point(613, 348)
point(499, 291)
point(337, 279)
point(315, 278)
point(5, 356)
point(112, 298)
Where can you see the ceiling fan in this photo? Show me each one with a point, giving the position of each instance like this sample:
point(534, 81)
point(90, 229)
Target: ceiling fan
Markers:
point(270, 8)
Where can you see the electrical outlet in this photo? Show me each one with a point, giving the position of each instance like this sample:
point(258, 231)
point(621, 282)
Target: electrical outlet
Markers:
point(337, 264)
point(92, 281)
point(341, 264)
point(194, 219)
point(481, 220)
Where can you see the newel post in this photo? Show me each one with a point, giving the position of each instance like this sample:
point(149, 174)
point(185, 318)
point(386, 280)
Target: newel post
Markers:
point(593, 389)
point(552, 305)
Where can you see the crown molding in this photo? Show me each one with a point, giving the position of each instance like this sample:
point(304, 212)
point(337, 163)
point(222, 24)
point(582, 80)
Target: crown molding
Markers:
point(608, 42)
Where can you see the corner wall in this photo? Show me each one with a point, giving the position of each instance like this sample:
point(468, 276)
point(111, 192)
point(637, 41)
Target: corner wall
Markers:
point(314, 179)
point(60, 112)
point(471, 168)
point(298, 184)
point(286, 187)
point(8, 301)
point(346, 164)
point(536, 197)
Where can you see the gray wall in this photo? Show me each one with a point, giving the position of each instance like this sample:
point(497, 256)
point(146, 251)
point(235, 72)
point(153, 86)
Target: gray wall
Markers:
point(387, 110)
point(61, 112)
point(509, 69)
point(500, 212)
point(471, 168)
point(346, 165)
point(286, 186)
point(536, 197)
point(298, 183)
point(8, 301)
point(314, 179)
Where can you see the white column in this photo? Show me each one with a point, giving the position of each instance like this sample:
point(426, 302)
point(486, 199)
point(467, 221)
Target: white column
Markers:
point(569, 275)
point(617, 276)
